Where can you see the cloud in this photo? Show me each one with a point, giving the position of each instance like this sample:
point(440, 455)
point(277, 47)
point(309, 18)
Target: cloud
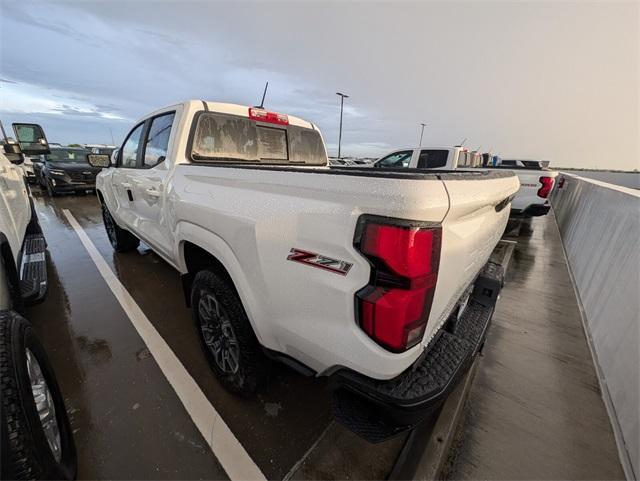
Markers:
point(539, 79)
point(80, 112)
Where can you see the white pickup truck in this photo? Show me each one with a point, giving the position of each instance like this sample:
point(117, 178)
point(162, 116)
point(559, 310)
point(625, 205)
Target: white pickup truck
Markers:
point(36, 441)
point(378, 280)
point(536, 181)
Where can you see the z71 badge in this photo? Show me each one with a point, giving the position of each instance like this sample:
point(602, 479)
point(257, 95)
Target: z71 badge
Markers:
point(317, 260)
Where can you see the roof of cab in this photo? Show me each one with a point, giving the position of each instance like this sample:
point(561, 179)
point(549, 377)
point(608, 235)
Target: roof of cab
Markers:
point(227, 108)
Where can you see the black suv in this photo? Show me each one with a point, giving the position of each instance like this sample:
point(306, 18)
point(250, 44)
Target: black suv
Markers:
point(66, 169)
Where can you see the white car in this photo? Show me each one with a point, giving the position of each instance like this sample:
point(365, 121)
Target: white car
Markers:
point(536, 180)
point(37, 441)
point(358, 275)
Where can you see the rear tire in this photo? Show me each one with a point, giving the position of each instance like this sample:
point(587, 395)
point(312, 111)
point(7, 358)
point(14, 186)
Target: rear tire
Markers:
point(25, 371)
point(227, 337)
point(121, 239)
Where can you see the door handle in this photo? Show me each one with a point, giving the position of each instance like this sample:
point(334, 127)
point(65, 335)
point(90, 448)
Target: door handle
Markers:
point(153, 192)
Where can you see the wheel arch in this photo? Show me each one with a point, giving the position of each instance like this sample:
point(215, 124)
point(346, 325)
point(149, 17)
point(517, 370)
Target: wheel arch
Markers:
point(10, 271)
point(201, 249)
point(100, 196)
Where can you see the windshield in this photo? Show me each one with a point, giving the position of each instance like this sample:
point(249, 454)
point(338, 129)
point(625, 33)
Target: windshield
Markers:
point(396, 160)
point(224, 138)
point(67, 155)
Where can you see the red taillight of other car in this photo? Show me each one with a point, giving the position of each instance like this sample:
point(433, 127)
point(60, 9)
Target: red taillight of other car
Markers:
point(394, 307)
point(547, 185)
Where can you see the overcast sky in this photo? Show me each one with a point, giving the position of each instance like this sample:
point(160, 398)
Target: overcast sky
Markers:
point(551, 80)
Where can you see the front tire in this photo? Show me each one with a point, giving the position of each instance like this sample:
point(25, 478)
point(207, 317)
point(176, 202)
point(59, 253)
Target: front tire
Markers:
point(121, 239)
point(226, 335)
point(37, 442)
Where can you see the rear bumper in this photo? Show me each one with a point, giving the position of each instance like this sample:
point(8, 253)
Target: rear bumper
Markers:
point(534, 210)
point(377, 410)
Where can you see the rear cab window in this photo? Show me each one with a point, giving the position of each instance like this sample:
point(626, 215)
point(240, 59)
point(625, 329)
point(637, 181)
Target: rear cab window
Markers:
point(432, 159)
point(218, 137)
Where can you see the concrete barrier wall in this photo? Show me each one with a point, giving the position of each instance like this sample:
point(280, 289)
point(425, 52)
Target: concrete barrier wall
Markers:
point(600, 228)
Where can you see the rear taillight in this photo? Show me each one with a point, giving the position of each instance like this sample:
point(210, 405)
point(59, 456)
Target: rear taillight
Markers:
point(394, 307)
point(262, 115)
point(547, 185)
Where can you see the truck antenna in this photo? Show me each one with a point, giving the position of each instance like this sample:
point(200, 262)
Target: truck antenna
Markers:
point(264, 94)
point(462, 143)
point(113, 142)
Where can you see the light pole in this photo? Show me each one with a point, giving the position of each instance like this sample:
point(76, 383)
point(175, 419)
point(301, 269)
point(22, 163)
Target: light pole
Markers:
point(422, 133)
point(342, 97)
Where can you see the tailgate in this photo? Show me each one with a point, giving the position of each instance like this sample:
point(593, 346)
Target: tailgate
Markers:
point(529, 186)
point(477, 217)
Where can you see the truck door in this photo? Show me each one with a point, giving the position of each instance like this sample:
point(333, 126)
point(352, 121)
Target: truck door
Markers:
point(148, 181)
point(14, 203)
point(122, 188)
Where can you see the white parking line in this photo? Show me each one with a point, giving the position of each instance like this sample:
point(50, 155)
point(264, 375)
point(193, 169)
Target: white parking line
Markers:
point(225, 446)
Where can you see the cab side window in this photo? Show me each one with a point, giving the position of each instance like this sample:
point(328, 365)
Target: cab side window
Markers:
point(396, 160)
point(432, 159)
point(157, 140)
point(129, 153)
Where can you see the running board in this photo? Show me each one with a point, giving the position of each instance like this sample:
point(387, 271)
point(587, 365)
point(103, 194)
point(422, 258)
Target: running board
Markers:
point(33, 270)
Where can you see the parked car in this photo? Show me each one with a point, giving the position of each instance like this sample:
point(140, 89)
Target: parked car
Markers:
point(65, 169)
point(522, 164)
point(367, 277)
point(100, 148)
point(536, 182)
point(36, 438)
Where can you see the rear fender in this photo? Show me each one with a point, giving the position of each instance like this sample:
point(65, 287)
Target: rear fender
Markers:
point(220, 250)
point(9, 278)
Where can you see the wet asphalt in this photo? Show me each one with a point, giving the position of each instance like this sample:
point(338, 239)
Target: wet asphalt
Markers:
point(522, 421)
point(535, 409)
point(127, 420)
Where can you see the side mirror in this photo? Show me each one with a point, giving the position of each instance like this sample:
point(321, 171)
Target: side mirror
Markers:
point(31, 139)
point(99, 160)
